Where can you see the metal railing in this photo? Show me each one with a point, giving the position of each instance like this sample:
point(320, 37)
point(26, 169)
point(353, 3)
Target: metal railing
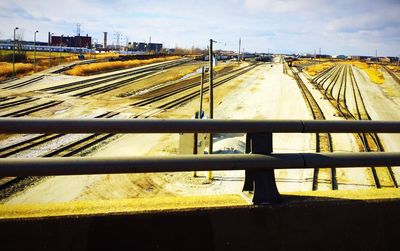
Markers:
point(259, 162)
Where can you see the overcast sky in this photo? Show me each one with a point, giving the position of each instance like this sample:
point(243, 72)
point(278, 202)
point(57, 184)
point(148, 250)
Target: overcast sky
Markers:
point(282, 26)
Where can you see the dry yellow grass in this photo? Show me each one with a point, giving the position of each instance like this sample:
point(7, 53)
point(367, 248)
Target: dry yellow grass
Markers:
point(82, 70)
point(6, 69)
point(372, 71)
point(104, 55)
point(42, 60)
point(314, 70)
point(300, 62)
point(45, 55)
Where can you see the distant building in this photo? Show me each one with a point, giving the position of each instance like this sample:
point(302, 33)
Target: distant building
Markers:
point(145, 47)
point(339, 56)
point(67, 41)
point(322, 56)
point(360, 57)
point(388, 59)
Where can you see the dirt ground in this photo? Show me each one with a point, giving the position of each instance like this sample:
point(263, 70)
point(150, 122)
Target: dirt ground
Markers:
point(263, 93)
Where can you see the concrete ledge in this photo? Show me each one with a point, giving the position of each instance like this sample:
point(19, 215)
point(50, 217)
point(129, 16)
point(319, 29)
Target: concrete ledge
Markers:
point(127, 206)
point(161, 204)
point(303, 222)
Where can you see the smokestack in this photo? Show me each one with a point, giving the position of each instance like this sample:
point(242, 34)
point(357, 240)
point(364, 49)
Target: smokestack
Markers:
point(105, 40)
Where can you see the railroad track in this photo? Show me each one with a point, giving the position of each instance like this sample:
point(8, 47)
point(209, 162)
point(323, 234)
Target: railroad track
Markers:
point(34, 79)
point(368, 142)
point(76, 147)
point(24, 83)
point(323, 140)
point(39, 140)
point(32, 109)
point(105, 79)
point(286, 67)
point(7, 80)
point(169, 91)
point(62, 69)
point(394, 76)
point(11, 185)
point(2, 99)
point(94, 82)
point(16, 102)
point(114, 86)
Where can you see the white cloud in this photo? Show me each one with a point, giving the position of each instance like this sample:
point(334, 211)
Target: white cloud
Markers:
point(302, 25)
point(283, 6)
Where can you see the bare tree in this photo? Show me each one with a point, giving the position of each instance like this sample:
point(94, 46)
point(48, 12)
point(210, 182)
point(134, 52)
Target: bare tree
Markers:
point(20, 53)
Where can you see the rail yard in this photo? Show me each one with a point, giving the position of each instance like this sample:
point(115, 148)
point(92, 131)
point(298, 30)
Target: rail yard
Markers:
point(246, 90)
point(199, 125)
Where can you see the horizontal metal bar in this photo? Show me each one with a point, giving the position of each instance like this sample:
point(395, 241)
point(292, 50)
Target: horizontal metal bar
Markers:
point(29, 125)
point(73, 166)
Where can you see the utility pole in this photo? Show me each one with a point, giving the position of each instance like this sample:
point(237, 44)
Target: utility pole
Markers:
point(16, 28)
point(319, 53)
point(199, 115)
point(34, 51)
point(201, 91)
point(59, 62)
point(78, 32)
point(51, 35)
point(210, 58)
point(211, 101)
point(240, 43)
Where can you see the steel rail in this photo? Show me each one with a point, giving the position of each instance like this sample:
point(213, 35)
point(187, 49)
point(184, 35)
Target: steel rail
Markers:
point(118, 75)
point(323, 140)
point(393, 75)
point(2, 99)
point(180, 163)
point(39, 140)
point(32, 109)
point(17, 102)
point(168, 93)
point(24, 83)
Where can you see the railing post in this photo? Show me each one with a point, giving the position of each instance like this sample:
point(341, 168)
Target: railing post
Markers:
point(261, 182)
point(248, 185)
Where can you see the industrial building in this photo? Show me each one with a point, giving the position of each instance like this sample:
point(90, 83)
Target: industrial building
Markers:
point(145, 47)
point(67, 41)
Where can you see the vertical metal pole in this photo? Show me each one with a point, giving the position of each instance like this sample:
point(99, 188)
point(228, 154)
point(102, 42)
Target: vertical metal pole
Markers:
point(34, 51)
point(248, 176)
point(50, 48)
point(211, 79)
point(59, 62)
point(16, 28)
point(240, 43)
point(319, 52)
point(265, 190)
point(211, 101)
point(195, 139)
point(201, 91)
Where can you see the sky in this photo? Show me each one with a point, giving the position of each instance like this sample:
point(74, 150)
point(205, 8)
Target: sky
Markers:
point(349, 27)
